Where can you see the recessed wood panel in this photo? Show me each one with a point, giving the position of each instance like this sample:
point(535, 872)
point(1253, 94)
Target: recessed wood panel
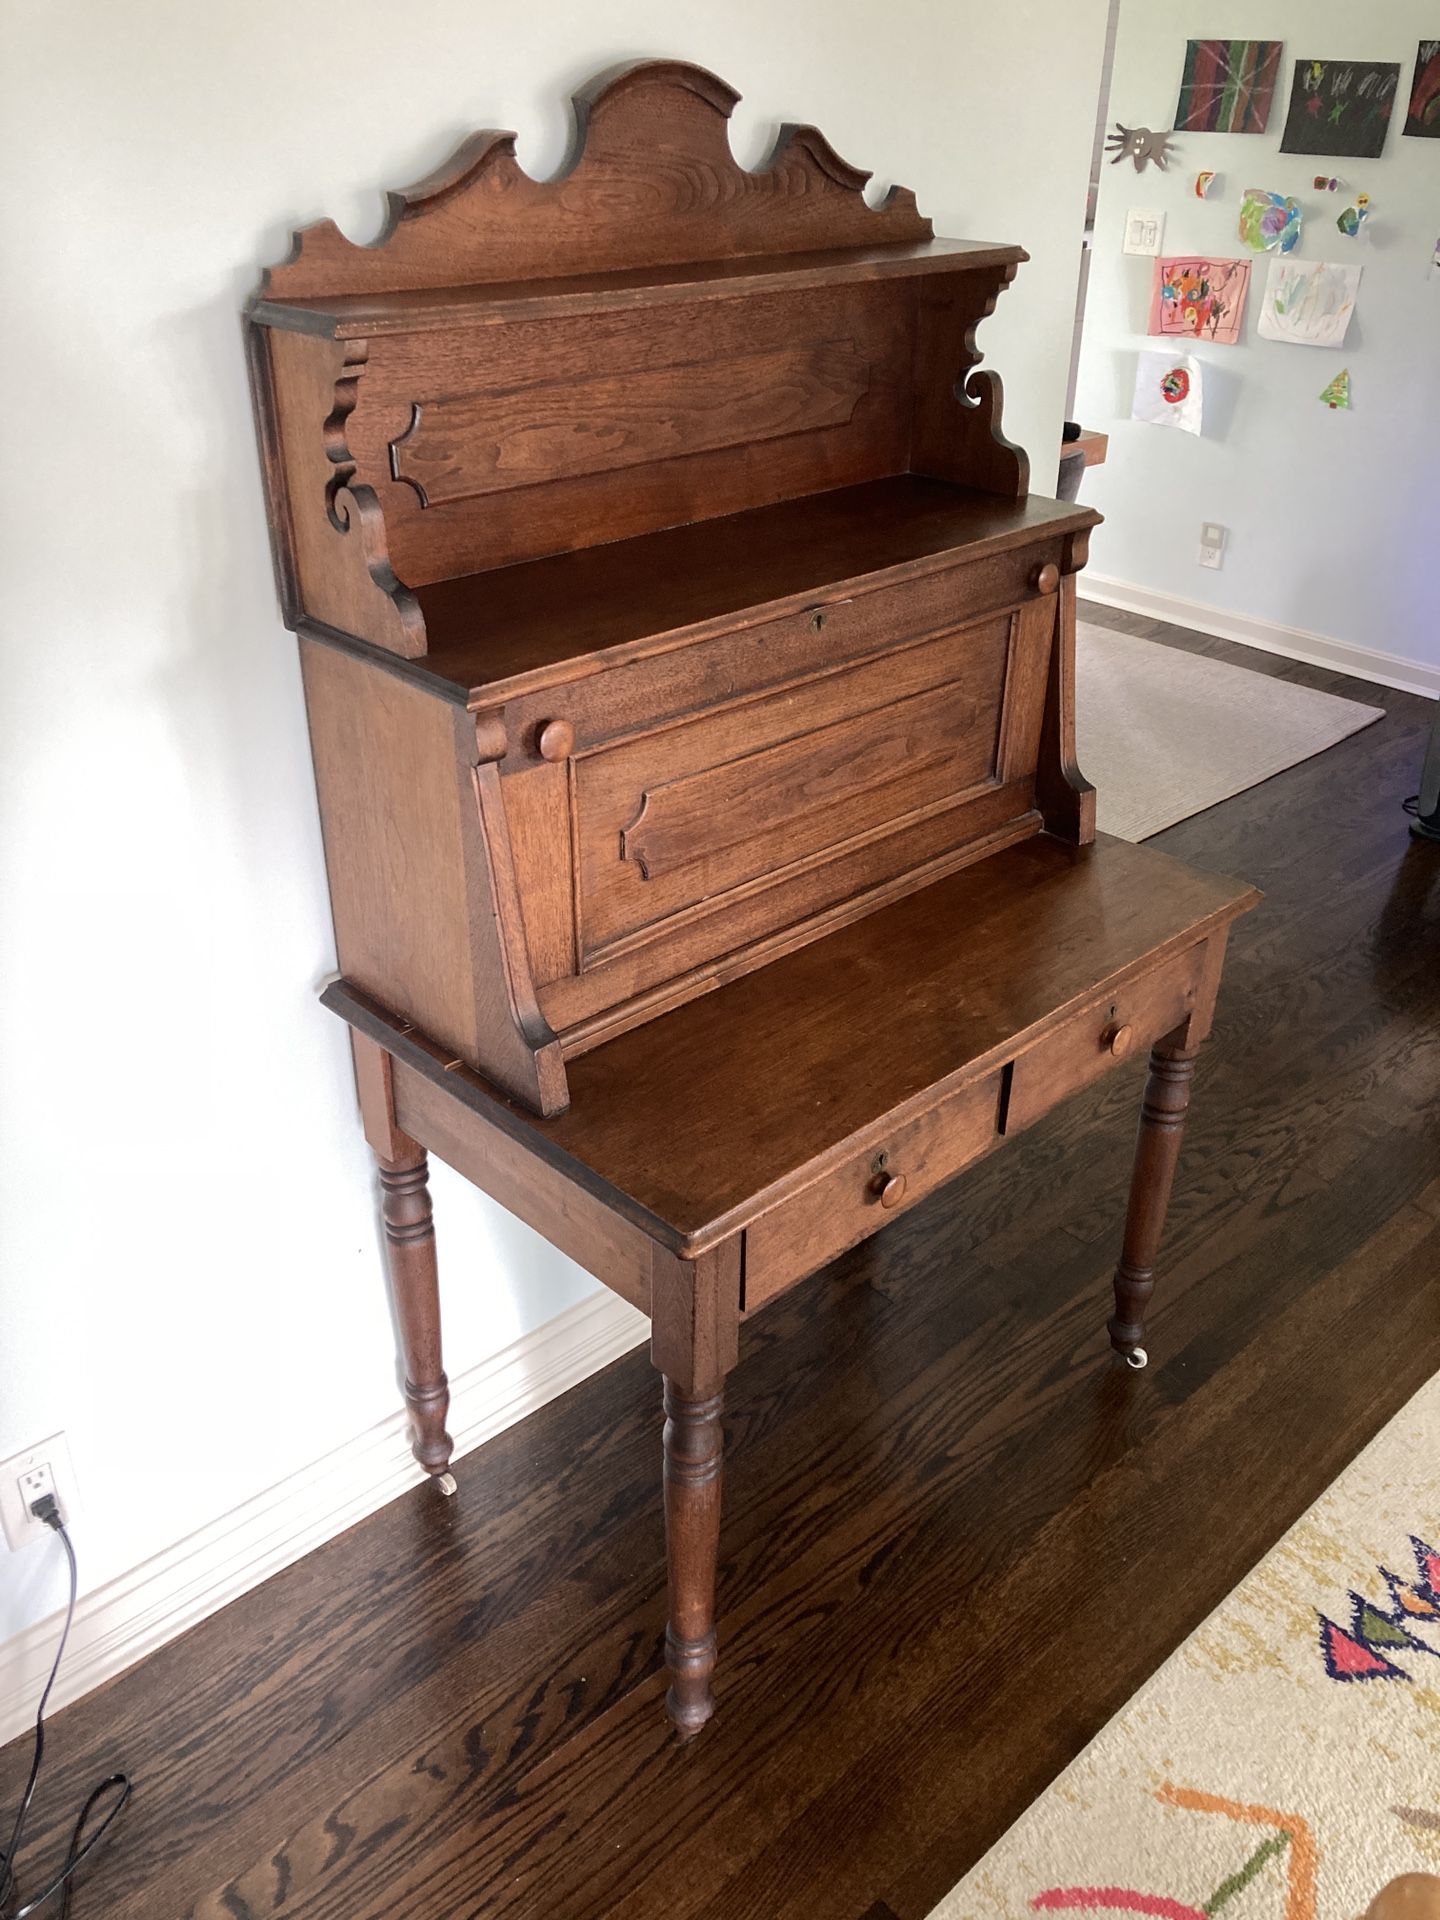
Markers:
point(564, 433)
point(683, 815)
point(498, 438)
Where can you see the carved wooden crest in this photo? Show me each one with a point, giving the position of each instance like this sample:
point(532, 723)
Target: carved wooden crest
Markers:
point(652, 182)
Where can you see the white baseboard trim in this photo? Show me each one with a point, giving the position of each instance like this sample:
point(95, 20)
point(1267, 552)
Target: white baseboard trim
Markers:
point(131, 1616)
point(1365, 663)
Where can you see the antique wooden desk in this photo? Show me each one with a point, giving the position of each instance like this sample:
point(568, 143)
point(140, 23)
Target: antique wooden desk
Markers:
point(690, 686)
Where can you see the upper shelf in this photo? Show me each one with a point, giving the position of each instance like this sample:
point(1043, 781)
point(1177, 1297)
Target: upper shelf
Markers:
point(515, 629)
point(367, 315)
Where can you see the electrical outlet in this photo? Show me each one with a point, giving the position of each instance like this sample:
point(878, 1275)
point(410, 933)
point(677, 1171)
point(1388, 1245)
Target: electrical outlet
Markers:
point(1212, 544)
point(43, 1468)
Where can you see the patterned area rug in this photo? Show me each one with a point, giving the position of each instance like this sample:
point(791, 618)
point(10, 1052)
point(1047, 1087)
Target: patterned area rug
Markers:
point(1162, 734)
point(1284, 1763)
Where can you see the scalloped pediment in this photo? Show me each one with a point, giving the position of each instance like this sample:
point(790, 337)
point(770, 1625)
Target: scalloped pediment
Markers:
point(652, 182)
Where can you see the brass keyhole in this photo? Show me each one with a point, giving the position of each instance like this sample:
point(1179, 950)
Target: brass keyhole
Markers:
point(817, 620)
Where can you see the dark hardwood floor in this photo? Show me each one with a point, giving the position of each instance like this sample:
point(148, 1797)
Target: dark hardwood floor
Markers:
point(957, 1535)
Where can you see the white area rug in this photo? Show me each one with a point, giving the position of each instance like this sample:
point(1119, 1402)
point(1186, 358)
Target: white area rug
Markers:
point(1163, 734)
point(1284, 1763)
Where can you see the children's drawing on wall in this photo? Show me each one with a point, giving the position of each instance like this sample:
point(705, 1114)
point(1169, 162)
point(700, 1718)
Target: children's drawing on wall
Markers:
point(1227, 86)
point(1337, 394)
point(1351, 220)
point(1139, 144)
point(1169, 391)
point(1308, 303)
point(1424, 115)
point(1144, 230)
point(1205, 185)
point(1197, 298)
point(1270, 222)
point(1341, 106)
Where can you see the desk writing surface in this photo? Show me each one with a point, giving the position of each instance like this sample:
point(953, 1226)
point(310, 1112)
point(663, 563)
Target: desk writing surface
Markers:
point(697, 1111)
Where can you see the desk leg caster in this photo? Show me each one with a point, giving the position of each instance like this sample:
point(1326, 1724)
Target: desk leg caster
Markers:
point(415, 1289)
point(1162, 1125)
point(694, 1459)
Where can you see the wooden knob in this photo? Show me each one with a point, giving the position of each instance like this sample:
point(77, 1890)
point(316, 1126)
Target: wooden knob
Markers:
point(1048, 578)
point(557, 740)
point(1117, 1040)
point(888, 1188)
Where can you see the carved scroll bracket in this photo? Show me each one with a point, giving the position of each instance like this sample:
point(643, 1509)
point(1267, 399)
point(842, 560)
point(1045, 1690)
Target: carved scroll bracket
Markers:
point(982, 396)
point(355, 510)
point(337, 451)
point(957, 434)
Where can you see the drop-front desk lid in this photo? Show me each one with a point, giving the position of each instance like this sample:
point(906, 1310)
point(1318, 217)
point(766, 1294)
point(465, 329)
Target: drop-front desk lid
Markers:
point(689, 1126)
point(512, 630)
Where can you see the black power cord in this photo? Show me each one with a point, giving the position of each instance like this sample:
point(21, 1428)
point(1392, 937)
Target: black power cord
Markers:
point(47, 1508)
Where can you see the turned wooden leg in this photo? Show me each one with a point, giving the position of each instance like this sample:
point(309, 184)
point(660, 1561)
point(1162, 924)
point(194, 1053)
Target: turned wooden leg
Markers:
point(415, 1287)
point(694, 1458)
point(694, 1341)
point(1162, 1123)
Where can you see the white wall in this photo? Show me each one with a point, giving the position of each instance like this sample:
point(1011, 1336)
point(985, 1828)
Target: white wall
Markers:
point(1331, 515)
point(191, 1284)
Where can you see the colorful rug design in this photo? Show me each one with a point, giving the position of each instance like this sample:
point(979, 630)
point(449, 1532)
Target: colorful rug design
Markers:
point(1252, 1777)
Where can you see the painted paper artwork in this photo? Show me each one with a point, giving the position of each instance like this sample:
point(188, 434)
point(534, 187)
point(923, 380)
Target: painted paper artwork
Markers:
point(1337, 395)
point(1269, 222)
point(1205, 184)
point(1140, 144)
point(1341, 106)
point(1228, 85)
point(1308, 303)
point(1169, 391)
point(1196, 298)
point(1351, 221)
point(1424, 115)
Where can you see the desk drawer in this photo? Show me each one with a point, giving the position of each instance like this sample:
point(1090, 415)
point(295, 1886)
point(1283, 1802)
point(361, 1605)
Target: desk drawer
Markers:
point(869, 1189)
point(1126, 1021)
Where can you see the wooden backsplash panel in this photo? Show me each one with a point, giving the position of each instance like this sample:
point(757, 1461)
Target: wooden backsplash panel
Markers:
point(699, 412)
point(497, 438)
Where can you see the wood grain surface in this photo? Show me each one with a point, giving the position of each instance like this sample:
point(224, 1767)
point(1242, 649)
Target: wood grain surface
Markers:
point(942, 1494)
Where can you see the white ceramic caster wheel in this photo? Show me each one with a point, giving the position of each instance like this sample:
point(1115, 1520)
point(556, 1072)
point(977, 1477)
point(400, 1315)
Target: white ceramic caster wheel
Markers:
point(1137, 1358)
point(446, 1482)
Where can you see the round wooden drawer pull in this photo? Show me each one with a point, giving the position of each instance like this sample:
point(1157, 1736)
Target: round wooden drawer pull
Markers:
point(888, 1188)
point(1117, 1040)
point(1048, 578)
point(557, 740)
